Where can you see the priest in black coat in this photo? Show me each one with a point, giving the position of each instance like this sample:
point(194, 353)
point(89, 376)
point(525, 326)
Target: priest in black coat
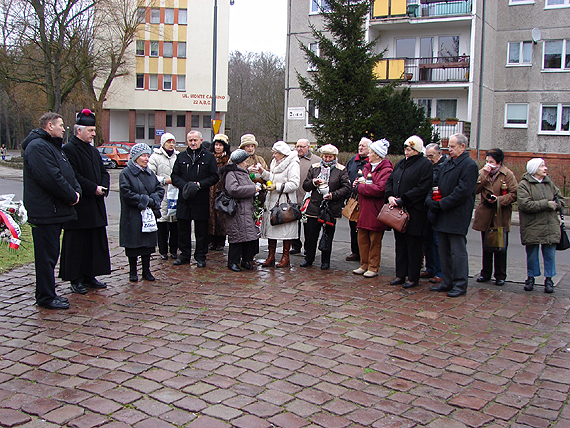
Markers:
point(85, 248)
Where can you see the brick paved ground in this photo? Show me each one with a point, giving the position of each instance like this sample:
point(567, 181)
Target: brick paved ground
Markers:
point(287, 348)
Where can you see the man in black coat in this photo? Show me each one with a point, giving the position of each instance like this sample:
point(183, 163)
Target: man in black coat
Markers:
point(457, 181)
point(50, 192)
point(85, 248)
point(194, 171)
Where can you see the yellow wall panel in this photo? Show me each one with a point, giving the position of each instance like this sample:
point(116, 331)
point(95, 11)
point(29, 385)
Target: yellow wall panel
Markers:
point(181, 66)
point(140, 64)
point(380, 8)
point(398, 7)
point(140, 32)
point(154, 32)
point(182, 4)
point(168, 29)
point(169, 3)
point(153, 65)
point(396, 68)
point(380, 69)
point(182, 33)
point(167, 66)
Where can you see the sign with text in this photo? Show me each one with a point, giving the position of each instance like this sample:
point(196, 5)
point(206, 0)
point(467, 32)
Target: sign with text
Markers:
point(296, 113)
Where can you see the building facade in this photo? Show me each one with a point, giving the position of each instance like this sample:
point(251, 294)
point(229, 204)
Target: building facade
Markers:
point(169, 86)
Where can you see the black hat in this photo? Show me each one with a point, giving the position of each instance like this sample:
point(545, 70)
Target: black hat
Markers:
point(85, 118)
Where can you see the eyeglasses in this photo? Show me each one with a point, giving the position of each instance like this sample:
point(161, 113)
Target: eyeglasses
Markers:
point(193, 139)
point(430, 156)
point(301, 147)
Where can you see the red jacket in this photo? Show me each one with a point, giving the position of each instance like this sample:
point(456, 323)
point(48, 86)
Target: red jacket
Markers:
point(371, 196)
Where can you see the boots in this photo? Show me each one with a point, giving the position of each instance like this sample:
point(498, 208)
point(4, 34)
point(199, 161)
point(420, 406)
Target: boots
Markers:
point(529, 284)
point(285, 257)
point(146, 268)
point(270, 261)
point(133, 269)
point(548, 285)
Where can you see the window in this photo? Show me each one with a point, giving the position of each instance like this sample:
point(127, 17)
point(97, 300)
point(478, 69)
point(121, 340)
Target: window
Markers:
point(319, 5)
point(169, 120)
point(181, 50)
point(151, 126)
point(426, 104)
point(516, 115)
point(153, 48)
point(556, 54)
point(167, 49)
point(195, 121)
point(153, 82)
point(155, 16)
point(446, 108)
point(182, 16)
point(314, 47)
point(167, 82)
point(141, 14)
point(207, 121)
point(515, 2)
point(448, 49)
point(140, 81)
point(555, 118)
point(406, 48)
point(139, 126)
point(181, 83)
point(556, 3)
point(520, 53)
point(169, 16)
point(312, 112)
point(181, 121)
point(140, 47)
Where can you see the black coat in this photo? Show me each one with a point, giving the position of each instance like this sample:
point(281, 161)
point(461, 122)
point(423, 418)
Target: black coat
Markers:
point(437, 167)
point(354, 164)
point(411, 181)
point(90, 173)
point(339, 186)
point(49, 180)
point(138, 189)
point(457, 184)
point(194, 166)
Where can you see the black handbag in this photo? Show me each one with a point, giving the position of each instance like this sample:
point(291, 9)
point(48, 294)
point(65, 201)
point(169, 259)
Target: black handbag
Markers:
point(564, 243)
point(225, 203)
point(285, 212)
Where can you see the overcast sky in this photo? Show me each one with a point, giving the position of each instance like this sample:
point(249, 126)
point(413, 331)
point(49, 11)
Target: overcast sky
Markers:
point(258, 26)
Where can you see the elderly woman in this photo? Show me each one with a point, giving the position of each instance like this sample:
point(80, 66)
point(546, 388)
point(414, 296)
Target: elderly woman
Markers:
point(538, 199)
point(160, 163)
point(249, 144)
point(217, 221)
point(371, 188)
point(329, 184)
point(498, 188)
point(284, 175)
point(407, 187)
point(139, 189)
point(243, 234)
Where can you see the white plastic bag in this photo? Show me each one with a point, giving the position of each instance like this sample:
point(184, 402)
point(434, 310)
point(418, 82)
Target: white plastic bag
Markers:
point(148, 221)
point(172, 198)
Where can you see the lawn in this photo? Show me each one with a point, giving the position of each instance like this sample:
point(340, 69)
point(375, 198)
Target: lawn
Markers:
point(10, 259)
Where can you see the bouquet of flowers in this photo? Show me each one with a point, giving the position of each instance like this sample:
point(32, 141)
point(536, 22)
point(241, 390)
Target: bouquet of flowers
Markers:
point(12, 216)
point(259, 200)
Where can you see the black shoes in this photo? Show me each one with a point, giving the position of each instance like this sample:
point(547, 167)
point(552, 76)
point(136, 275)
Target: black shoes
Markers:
point(148, 276)
point(246, 265)
point(325, 266)
point(529, 284)
point(234, 267)
point(56, 303)
point(482, 279)
point(133, 277)
point(500, 282)
point(439, 287)
point(94, 283)
point(181, 261)
point(295, 251)
point(62, 299)
point(409, 284)
point(397, 281)
point(548, 285)
point(77, 288)
point(201, 264)
point(454, 292)
point(164, 256)
point(305, 263)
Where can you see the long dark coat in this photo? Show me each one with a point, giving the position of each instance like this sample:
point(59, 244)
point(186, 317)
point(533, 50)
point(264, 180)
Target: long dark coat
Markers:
point(339, 186)
point(137, 189)
point(411, 181)
point(241, 226)
point(371, 196)
point(457, 183)
point(217, 221)
point(194, 166)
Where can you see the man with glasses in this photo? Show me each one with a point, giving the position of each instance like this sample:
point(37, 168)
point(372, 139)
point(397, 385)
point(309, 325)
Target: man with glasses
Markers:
point(306, 159)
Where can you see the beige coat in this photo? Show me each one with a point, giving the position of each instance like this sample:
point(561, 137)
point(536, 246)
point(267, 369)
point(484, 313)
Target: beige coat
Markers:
point(161, 164)
point(304, 165)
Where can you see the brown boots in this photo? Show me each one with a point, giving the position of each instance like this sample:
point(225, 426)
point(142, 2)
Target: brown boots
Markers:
point(285, 257)
point(270, 261)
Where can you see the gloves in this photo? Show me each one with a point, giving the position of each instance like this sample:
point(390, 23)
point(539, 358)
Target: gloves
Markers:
point(433, 205)
point(552, 205)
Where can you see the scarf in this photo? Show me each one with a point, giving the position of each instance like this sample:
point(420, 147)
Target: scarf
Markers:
point(169, 152)
point(325, 173)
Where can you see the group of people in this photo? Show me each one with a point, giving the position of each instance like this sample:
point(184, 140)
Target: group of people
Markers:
point(65, 187)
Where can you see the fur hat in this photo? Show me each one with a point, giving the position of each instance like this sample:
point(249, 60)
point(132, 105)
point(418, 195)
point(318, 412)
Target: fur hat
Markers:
point(329, 149)
point(246, 140)
point(533, 165)
point(416, 143)
point(281, 147)
point(221, 137)
point(238, 156)
point(380, 147)
point(85, 118)
point(139, 149)
point(167, 136)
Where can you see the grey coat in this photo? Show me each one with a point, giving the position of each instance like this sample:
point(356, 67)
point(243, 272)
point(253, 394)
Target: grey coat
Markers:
point(138, 189)
point(241, 226)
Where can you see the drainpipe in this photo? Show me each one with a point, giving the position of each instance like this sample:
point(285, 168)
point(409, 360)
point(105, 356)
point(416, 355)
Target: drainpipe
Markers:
point(478, 130)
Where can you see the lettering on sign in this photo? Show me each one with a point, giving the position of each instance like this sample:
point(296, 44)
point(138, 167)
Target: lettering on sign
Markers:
point(203, 99)
point(296, 113)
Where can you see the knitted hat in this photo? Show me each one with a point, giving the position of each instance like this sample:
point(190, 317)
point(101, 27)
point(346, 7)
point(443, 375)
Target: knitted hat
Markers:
point(247, 139)
point(85, 118)
point(139, 149)
point(533, 165)
point(380, 147)
point(238, 156)
point(416, 143)
point(221, 137)
point(281, 147)
point(167, 136)
point(329, 149)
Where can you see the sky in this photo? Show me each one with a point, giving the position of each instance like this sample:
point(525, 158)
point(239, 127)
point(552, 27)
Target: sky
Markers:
point(258, 26)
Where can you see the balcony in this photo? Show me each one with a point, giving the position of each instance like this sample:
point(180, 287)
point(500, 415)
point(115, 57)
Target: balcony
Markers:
point(422, 9)
point(424, 70)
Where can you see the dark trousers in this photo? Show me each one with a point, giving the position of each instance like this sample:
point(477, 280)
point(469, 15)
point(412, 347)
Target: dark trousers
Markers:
point(500, 262)
point(46, 254)
point(312, 231)
point(242, 251)
point(167, 237)
point(454, 261)
point(297, 244)
point(408, 256)
point(433, 264)
point(353, 238)
point(185, 239)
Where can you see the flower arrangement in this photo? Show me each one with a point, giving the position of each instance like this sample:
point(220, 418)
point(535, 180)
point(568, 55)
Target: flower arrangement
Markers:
point(258, 201)
point(13, 214)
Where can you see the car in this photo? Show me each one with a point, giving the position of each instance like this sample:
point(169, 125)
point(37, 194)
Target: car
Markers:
point(118, 155)
point(107, 162)
point(126, 146)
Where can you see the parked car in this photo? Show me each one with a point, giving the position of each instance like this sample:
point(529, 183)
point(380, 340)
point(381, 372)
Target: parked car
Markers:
point(107, 162)
point(126, 146)
point(118, 155)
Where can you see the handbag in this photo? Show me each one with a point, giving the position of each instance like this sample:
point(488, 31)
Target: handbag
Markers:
point(172, 199)
point(352, 208)
point(495, 239)
point(395, 217)
point(286, 212)
point(225, 203)
point(148, 221)
point(564, 243)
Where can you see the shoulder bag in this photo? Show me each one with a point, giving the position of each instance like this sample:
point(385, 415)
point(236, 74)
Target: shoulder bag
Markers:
point(564, 243)
point(225, 203)
point(495, 237)
point(286, 212)
point(395, 217)
point(352, 208)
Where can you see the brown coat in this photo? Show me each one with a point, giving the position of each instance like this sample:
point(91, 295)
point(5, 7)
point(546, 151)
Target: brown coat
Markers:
point(254, 160)
point(217, 220)
point(486, 212)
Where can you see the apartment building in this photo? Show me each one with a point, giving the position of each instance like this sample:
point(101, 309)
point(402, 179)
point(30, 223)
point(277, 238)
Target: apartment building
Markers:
point(169, 86)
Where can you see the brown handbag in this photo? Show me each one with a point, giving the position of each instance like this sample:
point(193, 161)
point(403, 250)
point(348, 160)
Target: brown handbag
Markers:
point(395, 217)
point(285, 212)
point(352, 209)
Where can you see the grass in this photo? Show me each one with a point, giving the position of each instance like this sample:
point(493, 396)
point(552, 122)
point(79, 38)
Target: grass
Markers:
point(10, 259)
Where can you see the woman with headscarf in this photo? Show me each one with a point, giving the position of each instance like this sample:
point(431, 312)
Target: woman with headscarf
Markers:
point(538, 199)
point(329, 185)
point(498, 188)
point(371, 188)
point(161, 162)
point(284, 175)
point(138, 189)
point(407, 187)
point(217, 221)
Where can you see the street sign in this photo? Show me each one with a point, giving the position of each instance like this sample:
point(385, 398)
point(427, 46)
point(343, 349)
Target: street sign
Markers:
point(159, 131)
point(296, 113)
point(216, 123)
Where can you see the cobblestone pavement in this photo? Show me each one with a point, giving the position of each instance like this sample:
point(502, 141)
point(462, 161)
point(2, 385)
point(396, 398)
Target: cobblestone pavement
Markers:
point(286, 348)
